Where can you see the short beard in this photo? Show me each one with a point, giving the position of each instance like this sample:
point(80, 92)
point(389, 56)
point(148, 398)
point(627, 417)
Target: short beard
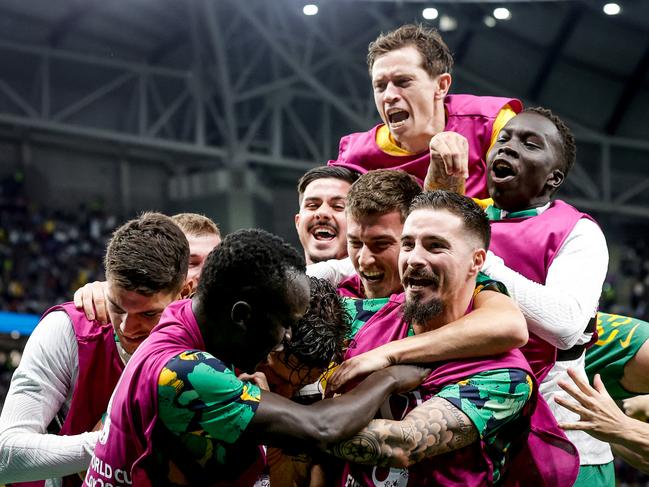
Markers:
point(418, 313)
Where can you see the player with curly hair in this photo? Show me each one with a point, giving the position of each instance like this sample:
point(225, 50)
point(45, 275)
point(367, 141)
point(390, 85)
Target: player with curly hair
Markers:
point(180, 414)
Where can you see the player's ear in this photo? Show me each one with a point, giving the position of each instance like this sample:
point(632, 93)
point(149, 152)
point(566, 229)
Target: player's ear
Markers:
point(240, 314)
point(443, 85)
point(479, 257)
point(555, 179)
point(188, 289)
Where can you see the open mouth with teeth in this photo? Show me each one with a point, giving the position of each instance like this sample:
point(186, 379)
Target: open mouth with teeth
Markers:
point(323, 233)
point(502, 171)
point(415, 283)
point(397, 118)
point(370, 276)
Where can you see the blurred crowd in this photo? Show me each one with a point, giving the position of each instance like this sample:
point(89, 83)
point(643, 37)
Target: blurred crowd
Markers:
point(634, 264)
point(46, 254)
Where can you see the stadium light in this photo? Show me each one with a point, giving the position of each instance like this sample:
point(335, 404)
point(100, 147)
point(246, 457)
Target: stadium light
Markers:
point(447, 23)
point(489, 21)
point(502, 13)
point(429, 13)
point(310, 9)
point(611, 9)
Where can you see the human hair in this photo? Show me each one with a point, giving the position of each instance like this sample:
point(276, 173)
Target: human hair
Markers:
point(319, 337)
point(325, 172)
point(147, 255)
point(435, 54)
point(474, 218)
point(568, 146)
point(196, 224)
point(382, 191)
point(249, 265)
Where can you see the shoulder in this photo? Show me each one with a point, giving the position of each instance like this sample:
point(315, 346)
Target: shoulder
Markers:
point(202, 374)
point(490, 397)
point(488, 106)
point(53, 334)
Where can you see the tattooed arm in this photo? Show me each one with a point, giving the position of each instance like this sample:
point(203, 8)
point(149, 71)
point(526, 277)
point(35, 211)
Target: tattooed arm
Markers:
point(433, 428)
point(449, 162)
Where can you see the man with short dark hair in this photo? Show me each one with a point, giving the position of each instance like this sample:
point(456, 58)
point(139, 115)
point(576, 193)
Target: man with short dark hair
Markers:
point(180, 415)
point(71, 364)
point(410, 69)
point(375, 221)
point(551, 257)
point(471, 429)
point(321, 223)
point(377, 206)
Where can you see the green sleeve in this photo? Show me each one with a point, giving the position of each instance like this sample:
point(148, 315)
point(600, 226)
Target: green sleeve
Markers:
point(486, 283)
point(490, 399)
point(198, 393)
point(361, 310)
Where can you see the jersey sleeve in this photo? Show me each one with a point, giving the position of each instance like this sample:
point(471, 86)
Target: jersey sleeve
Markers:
point(490, 399)
point(197, 393)
point(360, 311)
point(486, 283)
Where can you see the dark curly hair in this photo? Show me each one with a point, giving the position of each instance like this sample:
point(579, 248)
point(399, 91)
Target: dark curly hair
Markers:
point(249, 265)
point(319, 337)
point(568, 146)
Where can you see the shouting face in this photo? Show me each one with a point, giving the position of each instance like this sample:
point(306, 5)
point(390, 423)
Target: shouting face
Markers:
point(409, 101)
point(524, 164)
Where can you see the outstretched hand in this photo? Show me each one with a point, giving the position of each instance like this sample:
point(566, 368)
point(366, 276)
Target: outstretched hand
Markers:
point(92, 299)
point(599, 416)
point(356, 368)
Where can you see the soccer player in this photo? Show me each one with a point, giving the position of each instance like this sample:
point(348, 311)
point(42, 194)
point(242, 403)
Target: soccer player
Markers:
point(179, 413)
point(472, 426)
point(321, 223)
point(410, 69)
point(71, 364)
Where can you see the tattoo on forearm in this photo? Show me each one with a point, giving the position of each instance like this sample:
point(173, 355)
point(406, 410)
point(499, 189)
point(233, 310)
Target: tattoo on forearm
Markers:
point(431, 429)
point(364, 449)
point(438, 179)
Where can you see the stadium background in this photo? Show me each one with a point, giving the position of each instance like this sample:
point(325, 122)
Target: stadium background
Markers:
point(218, 106)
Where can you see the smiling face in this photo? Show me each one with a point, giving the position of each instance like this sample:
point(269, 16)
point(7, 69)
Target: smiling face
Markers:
point(134, 315)
point(438, 263)
point(524, 164)
point(409, 101)
point(373, 246)
point(321, 223)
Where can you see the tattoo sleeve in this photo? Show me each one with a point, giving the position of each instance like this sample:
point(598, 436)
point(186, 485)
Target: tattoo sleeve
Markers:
point(431, 429)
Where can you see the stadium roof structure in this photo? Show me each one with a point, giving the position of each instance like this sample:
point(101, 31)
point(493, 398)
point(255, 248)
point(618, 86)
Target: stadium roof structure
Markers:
point(258, 83)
